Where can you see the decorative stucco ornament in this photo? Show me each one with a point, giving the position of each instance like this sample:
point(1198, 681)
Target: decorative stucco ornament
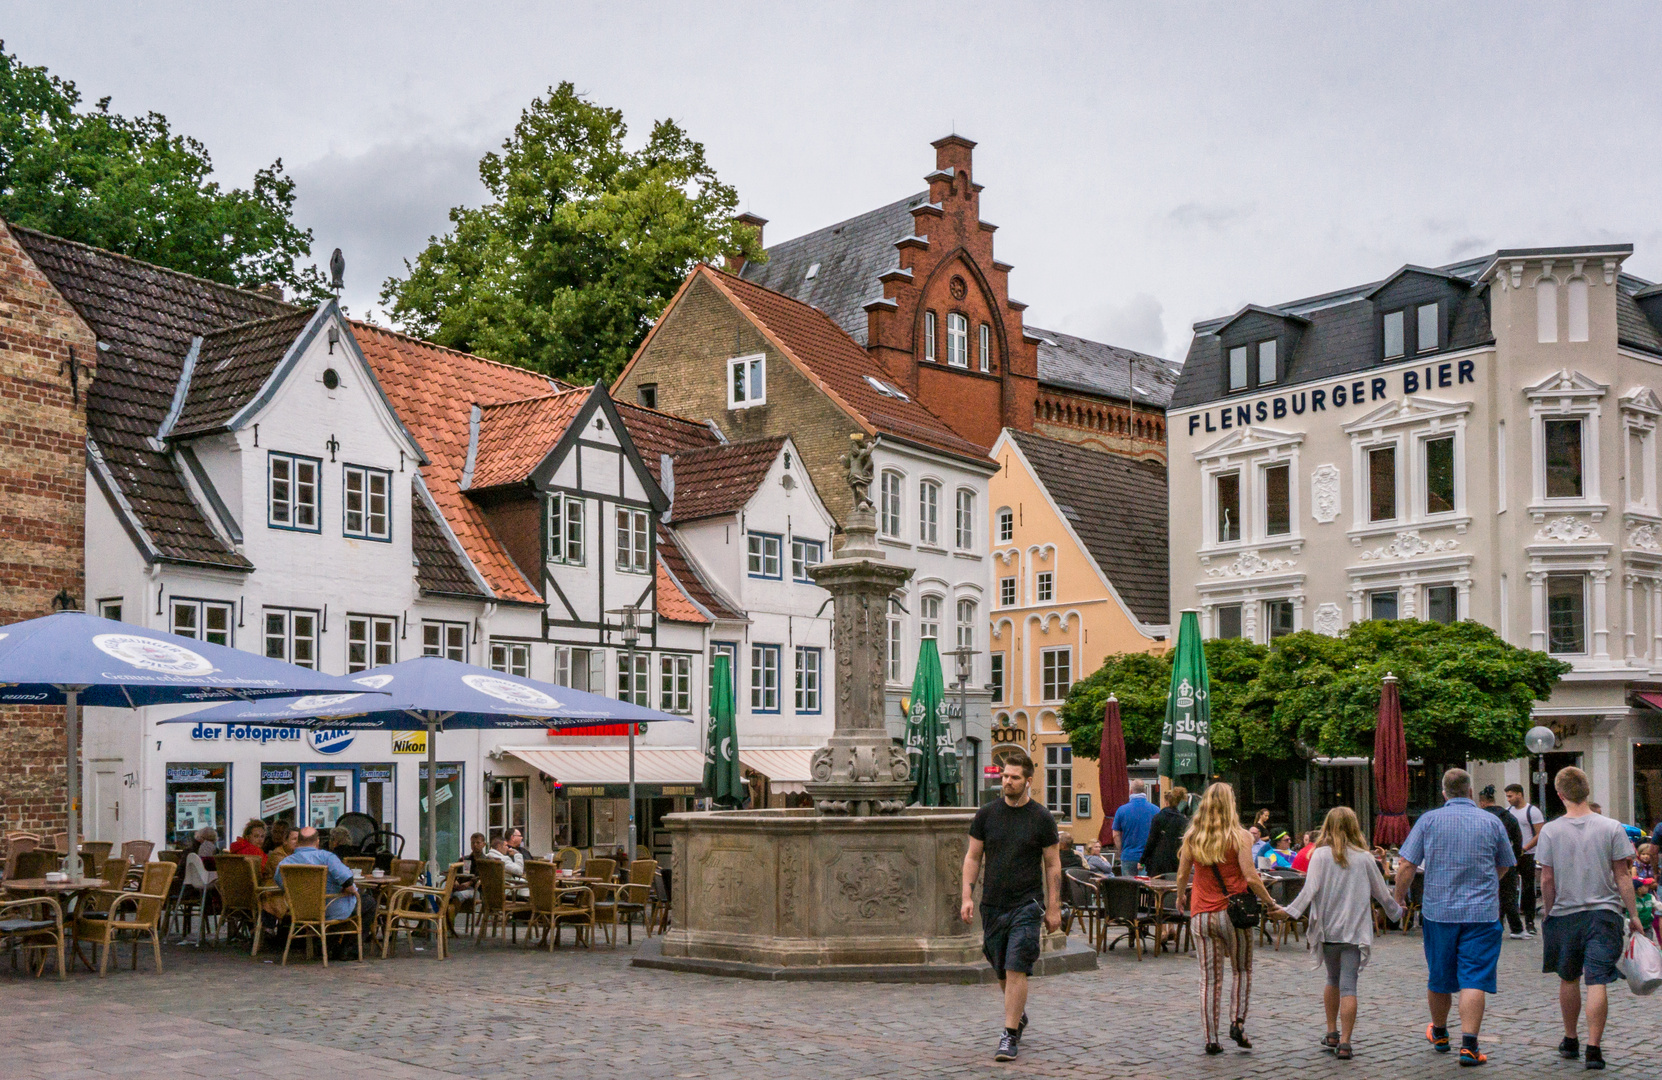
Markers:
point(1408, 545)
point(1324, 493)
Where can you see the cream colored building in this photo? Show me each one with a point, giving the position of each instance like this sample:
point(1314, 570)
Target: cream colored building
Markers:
point(1474, 441)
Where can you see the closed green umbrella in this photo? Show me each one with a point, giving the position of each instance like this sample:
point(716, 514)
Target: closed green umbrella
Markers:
point(929, 745)
point(721, 741)
point(1186, 739)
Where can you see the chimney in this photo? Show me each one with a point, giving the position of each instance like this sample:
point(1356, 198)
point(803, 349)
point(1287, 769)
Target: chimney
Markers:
point(666, 478)
point(735, 262)
point(273, 289)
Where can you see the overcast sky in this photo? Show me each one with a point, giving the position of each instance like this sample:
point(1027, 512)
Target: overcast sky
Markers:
point(1148, 165)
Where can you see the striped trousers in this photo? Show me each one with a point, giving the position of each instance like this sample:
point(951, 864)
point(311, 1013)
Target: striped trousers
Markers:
point(1216, 938)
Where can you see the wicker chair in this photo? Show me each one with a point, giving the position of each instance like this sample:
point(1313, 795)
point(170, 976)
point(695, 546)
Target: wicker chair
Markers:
point(403, 913)
point(542, 877)
point(621, 903)
point(359, 863)
point(600, 869)
point(1079, 888)
point(16, 844)
point(407, 871)
point(306, 889)
point(657, 918)
point(239, 894)
point(58, 841)
point(34, 863)
point(570, 859)
point(33, 925)
point(491, 902)
point(112, 912)
point(575, 908)
point(93, 854)
point(1122, 906)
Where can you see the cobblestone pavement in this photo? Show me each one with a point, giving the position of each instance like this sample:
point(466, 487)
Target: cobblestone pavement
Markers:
point(506, 1012)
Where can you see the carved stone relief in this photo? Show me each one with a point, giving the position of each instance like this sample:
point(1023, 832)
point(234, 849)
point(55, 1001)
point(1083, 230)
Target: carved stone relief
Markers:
point(1645, 538)
point(1249, 564)
point(1324, 493)
point(1408, 545)
point(793, 884)
point(873, 886)
point(1567, 530)
point(730, 884)
point(1329, 620)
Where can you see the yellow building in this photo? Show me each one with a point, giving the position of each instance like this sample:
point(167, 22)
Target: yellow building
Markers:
point(1080, 572)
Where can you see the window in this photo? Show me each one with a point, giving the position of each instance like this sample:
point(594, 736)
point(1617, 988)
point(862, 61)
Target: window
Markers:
point(929, 513)
point(110, 609)
point(1278, 500)
point(1229, 507)
point(511, 658)
point(1229, 621)
point(965, 532)
point(1278, 616)
point(807, 679)
point(580, 669)
point(1382, 483)
point(985, 354)
point(1428, 332)
point(1059, 780)
point(1393, 335)
point(966, 624)
point(929, 336)
point(729, 649)
point(1382, 604)
point(204, 620)
point(892, 652)
point(957, 340)
point(1007, 592)
point(368, 503)
point(675, 684)
point(1044, 586)
point(1238, 368)
point(1566, 614)
point(997, 677)
point(647, 394)
point(1055, 673)
point(929, 617)
point(1563, 438)
point(292, 636)
point(371, 642)
point(446, 639)
point(764, 678)
point(633, 546)
point(291, 486)
point(506, 806)
point(890, 508)
point(636, 690)
point(1266, 363)
point(1439, 475)
point(1441, 605)
point(805, 553)
point(747, 383)
point(762, 555)
point(1006, 525)
point(565, 530)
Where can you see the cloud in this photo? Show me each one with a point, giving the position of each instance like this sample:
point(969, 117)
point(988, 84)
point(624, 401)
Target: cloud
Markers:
point(1137, 322)
point(1216, 216)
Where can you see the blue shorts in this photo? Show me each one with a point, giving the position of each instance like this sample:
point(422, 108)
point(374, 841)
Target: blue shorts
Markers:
point(1583, 944)
point(1010, 940)
point(1461, 956)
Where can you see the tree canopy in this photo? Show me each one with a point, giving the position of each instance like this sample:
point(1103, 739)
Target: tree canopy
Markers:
point(581, 245)
point(1466, 694)
point(133, 186)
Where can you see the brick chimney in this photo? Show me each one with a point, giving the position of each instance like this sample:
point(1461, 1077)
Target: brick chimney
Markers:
point(735, 262)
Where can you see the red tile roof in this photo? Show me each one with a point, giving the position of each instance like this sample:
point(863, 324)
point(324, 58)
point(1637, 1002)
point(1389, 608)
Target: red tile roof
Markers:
point(693, 584)
point(515, 436)
point(673, 603)
point(656, 433)
point(721, 479)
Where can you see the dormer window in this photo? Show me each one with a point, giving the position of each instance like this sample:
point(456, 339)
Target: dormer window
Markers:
point(1254, 365)
point(1394, 346)
point(1427, 341)
point(1238, 368)
point(1266, 363)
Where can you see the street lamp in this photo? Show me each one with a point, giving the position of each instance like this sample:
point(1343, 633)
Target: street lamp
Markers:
point(1540, 740)
point(631, 634)
point(964, 660)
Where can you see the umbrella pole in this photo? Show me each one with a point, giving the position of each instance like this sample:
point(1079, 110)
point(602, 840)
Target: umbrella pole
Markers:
point(432, 800)
point(631, 791)
point(72, 777)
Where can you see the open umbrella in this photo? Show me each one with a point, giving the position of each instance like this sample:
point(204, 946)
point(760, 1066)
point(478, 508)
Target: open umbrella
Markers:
point(75, 659)
point(1186, 738)
point(929, 746)
point(1390, 769)
point(722, 777)
point(1111, 776)
point(439, 694)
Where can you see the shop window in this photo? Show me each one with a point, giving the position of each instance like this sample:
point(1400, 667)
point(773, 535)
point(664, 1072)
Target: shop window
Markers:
point(762, 555)
point(634, 546)
point(807, 679)
point(446, 639)
point(1439, 475)
point(368, 495)
point(1278, 500)
point(1647, 783)
point(1382, 483)
point(292, 492)
point(1382, 604)
point(889, 516)
point(1059, 780)
point(929, 513)
point(447, 805)
point(1567, 614)
point(204, 620)
point(371, 642)
point(675, 684)
point(747, 383)
point(198, 797)
point(634, 690)
point(764, 678)
point(565, 530)
point(1278, 617)
point(378, 795)
point(1563, 454)
point(279, 796)
point(506, 806)
point(1044, 586)
point(1441, 602)
point(1229, 621)
point(291, 635)
point(1228, 487)
point(805, 554)
point(1056, 673)
point(511, 658)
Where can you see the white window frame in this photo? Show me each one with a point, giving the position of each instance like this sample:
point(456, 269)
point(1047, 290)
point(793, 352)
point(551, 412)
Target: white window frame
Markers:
point(563, 530)
point(1587, 614)
point(446, 639)
point(957, 340)
point(374, 513)
point(985, 358)
point(1049, 668)
point(110, 608)
point(288, 501)
point(929, 337)
point(675, 684)
point(892, 497)
point(1250, 457)
point(1008, 596)
point(966, 626)
point(1006, 525)
point(634, 541)
point(514, 658)
point(199, 611)
point(1640, 413)
point(809, 671)
point(747, 381)
point(964, 520)
point(805, 554)
point(641, 691)
point(997, 666)
point(763, 555)
point(764, 678)
point(1406, 424)
point(929, 616)
point(894, 643)
point(293, 632)
point(1059, 780)
point(1567, 396)
point(377, 635)
point(929, 513)
point(1044, 587)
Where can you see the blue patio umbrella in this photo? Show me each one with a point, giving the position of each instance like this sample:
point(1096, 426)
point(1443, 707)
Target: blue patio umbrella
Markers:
point(438, 694)
point(75, 659)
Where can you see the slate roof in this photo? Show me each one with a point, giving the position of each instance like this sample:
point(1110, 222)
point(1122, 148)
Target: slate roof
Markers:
point(1076, 363)
point(145, 318)
point(721, 479)
point(232, 365)
point(515, 436)
point(1118, 508)
point(693, 585)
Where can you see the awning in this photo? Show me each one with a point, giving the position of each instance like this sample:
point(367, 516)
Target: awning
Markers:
point(1654, 700)
point(786, 767)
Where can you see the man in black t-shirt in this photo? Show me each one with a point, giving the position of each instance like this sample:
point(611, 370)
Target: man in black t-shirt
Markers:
point(1017, 839)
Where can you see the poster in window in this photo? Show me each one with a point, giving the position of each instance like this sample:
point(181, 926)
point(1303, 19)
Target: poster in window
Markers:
point(283, 800)
point(325, 808)
point(193, 810)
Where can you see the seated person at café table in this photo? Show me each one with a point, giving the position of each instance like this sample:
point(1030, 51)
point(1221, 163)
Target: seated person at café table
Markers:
point(276, 833)
point(1279, 855)
point(516, 844)
point(1070, 856)
point(340, 841)
point(252, 841)
point(1094, 859)
point(515, 873)
point(340, 880)
point(205, 842)
point(470, 868)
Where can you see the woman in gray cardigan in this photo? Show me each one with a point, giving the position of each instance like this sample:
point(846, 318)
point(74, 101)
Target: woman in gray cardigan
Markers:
point(1339, 891)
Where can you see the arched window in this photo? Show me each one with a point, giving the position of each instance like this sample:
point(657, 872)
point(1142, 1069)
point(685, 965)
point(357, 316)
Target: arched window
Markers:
point(889, 510)
point(966, 624)
point(964, 521)
point(1006, 525)
point(929, 617)
point(1546, 309)
point(896, 629)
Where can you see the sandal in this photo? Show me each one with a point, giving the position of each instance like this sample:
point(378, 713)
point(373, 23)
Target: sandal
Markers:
point(1237, 1031)
point(1342, 1051)
point(1330, 1041)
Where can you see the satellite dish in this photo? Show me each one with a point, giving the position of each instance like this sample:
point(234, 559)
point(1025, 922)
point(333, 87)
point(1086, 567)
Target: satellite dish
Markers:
point(337, 271)
point(1540, 739)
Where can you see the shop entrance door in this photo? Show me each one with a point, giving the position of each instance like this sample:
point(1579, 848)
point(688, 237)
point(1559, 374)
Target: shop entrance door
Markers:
point(328, 796)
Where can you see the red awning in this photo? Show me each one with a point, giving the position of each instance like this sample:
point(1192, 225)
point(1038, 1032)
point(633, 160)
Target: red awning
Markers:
point(1654, 700)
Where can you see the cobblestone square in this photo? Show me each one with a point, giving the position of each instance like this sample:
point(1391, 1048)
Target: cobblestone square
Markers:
point(505, 1011)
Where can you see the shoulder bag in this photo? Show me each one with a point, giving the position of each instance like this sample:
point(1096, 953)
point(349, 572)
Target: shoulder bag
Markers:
point(1244, 909)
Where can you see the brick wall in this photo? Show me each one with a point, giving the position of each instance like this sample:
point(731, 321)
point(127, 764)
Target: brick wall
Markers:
point(1101, 424)
point(42, 510)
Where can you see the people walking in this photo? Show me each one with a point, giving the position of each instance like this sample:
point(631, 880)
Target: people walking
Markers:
point(1131, 822)
point(1165, 834)
point(1343, 882)
point(1017, 839)
point(1216, 864)
point(1529, 821)
point(1586, 864)
point(1462, 852)
point(1508, 881)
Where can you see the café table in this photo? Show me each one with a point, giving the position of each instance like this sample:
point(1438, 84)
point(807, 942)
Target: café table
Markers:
point(64, 892)
point(1158, 889)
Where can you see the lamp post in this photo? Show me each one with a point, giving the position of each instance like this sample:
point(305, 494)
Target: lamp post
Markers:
point(631, 634)
point(963, 658)
point(1540, 740)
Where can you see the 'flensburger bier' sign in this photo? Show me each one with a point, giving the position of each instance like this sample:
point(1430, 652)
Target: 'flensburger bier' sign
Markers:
point(1363, 391)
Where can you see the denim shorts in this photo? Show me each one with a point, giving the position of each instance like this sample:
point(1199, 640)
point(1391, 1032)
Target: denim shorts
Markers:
point(1582, 944)
point(1461, 956)
point(1010, 940)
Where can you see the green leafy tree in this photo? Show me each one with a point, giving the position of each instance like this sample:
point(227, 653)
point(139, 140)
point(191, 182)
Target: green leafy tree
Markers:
point(581, 245)
point(133, 186)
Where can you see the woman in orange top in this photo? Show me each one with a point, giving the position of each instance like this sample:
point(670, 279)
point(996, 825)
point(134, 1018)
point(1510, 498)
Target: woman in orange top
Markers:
point(1217, 854)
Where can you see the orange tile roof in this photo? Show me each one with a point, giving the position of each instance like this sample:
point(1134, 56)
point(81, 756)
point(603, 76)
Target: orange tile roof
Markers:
point(515, 436)
point(434, 390)
point(673, 604)
point(656, 433)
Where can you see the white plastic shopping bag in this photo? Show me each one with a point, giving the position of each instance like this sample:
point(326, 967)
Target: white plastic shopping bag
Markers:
point(1641, 964)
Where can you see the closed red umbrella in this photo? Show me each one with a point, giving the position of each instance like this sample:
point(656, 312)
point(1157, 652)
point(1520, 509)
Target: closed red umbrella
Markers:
point(1111, 777)
point(1390, 769)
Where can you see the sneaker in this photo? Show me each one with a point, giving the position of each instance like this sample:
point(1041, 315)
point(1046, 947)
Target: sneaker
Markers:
point(1006, 1048)
point(1518, 936)
point(1595, 1058)
point(1468, 1056)
point(1570, 1049)
point(1438, 1043)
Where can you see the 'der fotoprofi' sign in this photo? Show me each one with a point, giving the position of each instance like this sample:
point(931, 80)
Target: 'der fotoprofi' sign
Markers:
point(1356, 392)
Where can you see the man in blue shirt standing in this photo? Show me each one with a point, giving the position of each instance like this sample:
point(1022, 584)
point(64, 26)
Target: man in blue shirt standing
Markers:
point(1463, 851)
point(1131, 827)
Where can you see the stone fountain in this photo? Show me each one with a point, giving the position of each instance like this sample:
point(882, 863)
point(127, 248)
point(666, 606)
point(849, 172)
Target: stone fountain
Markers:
point(860, 886)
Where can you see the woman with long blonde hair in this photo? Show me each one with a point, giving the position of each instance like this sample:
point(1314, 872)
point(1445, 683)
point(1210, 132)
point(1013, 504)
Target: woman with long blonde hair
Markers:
point(1217, 854)
point(1339, 893)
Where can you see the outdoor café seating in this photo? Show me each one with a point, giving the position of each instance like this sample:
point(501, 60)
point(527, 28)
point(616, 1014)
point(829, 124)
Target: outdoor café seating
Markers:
point(34, 863)
point(108, 914)
point(419, 907)
point(306, 889)
point(33, 925)
point(239, 897)
point(495, 909)
point(1123, 907)
point(575, 908)
point(633, 896)
point(542, 877)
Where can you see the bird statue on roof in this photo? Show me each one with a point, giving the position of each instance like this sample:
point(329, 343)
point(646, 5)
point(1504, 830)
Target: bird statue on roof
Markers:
point(337, 271)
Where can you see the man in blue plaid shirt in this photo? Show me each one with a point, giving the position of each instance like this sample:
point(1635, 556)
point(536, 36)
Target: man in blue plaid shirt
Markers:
point(1463, 851)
